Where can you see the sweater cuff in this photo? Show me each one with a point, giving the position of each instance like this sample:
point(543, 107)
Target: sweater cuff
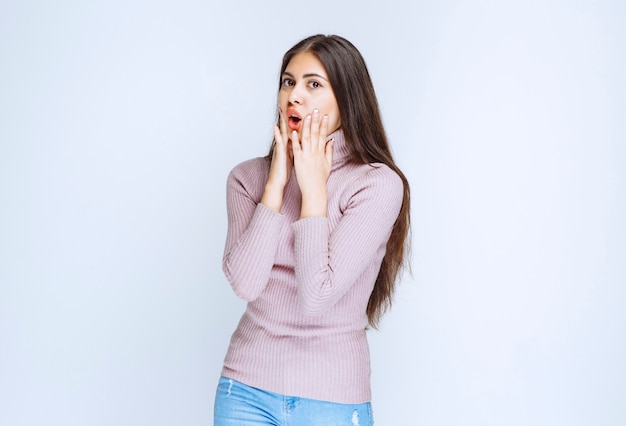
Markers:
point(264, 218)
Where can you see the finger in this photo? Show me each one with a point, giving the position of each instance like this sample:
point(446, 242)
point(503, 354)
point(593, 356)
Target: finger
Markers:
point(279, 142)
point(306, 133)
point(295, 143)
point(278, 137)
point(330, 145)
point(290, 152)
point(315, 129)
point(323, 132)
point(283, 123)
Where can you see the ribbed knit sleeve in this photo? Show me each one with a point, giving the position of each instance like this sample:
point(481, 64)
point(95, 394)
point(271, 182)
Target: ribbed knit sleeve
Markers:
point(327, 264)
point(253, 231)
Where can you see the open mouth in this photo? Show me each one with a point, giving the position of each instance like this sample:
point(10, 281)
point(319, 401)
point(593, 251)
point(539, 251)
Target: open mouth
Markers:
point(293, 119)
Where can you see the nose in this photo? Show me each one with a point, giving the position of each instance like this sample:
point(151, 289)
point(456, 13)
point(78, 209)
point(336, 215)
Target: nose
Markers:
point(296, 97)
point(294, 100)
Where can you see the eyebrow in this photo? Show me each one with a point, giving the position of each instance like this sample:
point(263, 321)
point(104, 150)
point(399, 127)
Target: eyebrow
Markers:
point(311, 74)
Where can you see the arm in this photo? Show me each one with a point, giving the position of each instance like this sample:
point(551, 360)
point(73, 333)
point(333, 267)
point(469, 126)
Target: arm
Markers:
point(253, 226)
point(328, 264)
point(253, 231)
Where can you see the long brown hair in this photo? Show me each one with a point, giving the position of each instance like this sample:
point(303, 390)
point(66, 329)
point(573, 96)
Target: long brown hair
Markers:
point(365, 136)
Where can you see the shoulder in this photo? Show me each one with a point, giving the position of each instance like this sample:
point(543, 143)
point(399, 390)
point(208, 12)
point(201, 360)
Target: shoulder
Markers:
point(250, 170)
point(383, 174)
point(248, 178)
point(374, 182)
point(378, 176)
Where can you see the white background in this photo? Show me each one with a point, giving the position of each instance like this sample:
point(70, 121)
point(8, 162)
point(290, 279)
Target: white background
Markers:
point(119, 122)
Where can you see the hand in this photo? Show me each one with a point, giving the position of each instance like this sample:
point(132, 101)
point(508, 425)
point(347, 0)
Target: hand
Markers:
point(280, 169)
point(313, 159)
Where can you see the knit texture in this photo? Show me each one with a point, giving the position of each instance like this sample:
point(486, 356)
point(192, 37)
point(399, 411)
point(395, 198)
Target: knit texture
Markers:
point(307, 281)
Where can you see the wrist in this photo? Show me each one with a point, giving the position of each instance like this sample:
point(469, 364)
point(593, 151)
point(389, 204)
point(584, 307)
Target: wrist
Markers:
point(314, 204)
point(273, 197)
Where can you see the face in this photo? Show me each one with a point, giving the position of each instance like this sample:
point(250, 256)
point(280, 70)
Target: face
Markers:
point(305, 87)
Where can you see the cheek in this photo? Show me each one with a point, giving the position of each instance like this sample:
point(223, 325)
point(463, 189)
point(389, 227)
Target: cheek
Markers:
point(282, 99)
point(334, 123)
point(335, 119)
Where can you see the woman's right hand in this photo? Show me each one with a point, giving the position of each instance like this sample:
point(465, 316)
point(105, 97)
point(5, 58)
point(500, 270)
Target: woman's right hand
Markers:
point(280, 169)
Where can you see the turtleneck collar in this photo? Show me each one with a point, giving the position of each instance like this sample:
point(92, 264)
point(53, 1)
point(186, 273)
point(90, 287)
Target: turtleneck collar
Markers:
point(341, 152)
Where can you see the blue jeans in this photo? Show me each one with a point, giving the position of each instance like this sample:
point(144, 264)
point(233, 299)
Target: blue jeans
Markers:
point(237, 404)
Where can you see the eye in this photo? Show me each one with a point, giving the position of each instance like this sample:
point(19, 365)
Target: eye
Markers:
point(314, 84)
point(287, 82)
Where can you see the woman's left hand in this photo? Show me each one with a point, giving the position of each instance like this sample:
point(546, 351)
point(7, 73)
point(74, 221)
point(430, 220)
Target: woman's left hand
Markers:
point(313, 158)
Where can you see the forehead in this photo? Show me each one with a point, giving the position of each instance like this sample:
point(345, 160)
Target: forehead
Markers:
point(305, 63)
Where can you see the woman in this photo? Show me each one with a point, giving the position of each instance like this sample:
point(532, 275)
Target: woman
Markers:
point(317, 235)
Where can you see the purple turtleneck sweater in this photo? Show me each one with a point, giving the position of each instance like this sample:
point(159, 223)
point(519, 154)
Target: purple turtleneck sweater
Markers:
point(307, 281)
